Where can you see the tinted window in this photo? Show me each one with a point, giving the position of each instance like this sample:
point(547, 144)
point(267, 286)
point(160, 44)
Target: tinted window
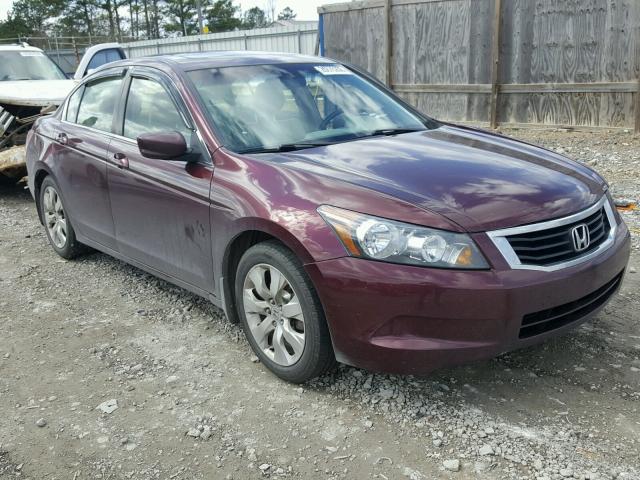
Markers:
point(98, 103)
point(73, 104)
point(151, 109)
point(105, 56)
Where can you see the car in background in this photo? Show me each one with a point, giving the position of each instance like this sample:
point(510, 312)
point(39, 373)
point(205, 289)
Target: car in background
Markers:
point(323, 213)
point(31, 85)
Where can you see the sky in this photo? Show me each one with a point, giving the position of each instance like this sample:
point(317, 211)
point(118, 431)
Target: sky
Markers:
point(5, 5)
point(306, 9)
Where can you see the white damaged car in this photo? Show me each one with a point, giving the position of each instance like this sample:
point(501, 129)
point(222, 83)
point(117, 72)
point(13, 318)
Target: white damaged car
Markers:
point(31, 85)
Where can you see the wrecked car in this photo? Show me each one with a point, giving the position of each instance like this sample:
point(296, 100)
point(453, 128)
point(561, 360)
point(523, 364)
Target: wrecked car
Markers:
point(32, 85)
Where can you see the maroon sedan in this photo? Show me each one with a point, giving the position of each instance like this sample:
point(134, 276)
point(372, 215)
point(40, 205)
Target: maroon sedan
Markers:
point(330, 218)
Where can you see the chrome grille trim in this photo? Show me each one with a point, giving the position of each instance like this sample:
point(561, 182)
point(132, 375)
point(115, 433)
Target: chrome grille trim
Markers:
point(498, 237)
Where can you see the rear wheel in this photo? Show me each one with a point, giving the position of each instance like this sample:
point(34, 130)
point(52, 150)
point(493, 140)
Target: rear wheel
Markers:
point(60, 232)
point(281, 314)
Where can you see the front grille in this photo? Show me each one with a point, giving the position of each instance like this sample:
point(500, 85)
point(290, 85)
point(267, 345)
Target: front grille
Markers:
point(555, 245)
point(556, 317)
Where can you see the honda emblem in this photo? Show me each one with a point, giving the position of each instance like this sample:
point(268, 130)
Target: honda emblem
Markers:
point(580, 236)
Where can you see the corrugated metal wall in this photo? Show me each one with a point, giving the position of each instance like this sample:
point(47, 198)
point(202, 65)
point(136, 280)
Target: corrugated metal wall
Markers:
point(298, 38)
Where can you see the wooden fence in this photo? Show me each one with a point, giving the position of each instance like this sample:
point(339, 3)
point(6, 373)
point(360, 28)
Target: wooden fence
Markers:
point(552, 62)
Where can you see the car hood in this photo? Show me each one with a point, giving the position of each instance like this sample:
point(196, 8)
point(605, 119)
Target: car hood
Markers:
point(35, 93)
point(478, 180)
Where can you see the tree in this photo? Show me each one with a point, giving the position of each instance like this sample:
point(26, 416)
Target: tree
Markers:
point(254, 18)
point(155, 4)
point(86, 9)
point(14, 27)
point(223, 16)
point(36, 14)
point(270, 10)
point(181, 17)
point(134, 10)
point(287, 14)
point(107, 6)
point(147, 23)
point(77, 19)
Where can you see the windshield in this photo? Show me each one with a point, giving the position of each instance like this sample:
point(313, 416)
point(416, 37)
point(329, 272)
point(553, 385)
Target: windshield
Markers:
point(272, 106)
point(28, 65)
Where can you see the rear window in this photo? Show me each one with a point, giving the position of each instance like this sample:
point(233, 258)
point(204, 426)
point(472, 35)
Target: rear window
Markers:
point(103, 57)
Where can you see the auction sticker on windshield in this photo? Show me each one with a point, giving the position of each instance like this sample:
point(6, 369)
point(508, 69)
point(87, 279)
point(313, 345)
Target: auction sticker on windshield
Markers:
point(333, 70)
point(32, 54)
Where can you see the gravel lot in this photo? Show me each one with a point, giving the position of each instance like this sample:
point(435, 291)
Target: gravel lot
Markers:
point(107, 372)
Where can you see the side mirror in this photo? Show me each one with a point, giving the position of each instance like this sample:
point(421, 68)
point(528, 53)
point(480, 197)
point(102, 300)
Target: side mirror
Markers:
point(162, 146)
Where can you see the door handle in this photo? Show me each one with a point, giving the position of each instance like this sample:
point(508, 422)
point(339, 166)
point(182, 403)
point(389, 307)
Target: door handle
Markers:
point(63, 139)
point(121, 160)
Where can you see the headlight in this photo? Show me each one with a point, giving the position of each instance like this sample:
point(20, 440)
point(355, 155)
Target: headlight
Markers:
point(381, 239)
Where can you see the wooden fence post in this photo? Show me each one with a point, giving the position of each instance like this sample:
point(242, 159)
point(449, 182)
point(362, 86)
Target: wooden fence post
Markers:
point(495, 63)
point(75, 50)
point(387, 43)
point(637, 108)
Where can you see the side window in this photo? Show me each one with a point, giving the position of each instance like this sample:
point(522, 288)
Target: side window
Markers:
point(104, 56)
point(150, 109)
point(98, 103)
point(72, 106)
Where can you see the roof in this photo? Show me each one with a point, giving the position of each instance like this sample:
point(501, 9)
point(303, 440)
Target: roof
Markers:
point(18, 48)
point(290, 23)
point(223, 58)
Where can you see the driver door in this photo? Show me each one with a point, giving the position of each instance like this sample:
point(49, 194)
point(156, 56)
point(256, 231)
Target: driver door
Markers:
point(160, 207)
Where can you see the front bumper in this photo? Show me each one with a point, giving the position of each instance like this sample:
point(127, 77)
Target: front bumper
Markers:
point(413, 320)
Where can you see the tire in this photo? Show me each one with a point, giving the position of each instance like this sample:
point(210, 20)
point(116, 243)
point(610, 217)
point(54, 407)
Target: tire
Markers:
point(60, 232)
point(275, 325)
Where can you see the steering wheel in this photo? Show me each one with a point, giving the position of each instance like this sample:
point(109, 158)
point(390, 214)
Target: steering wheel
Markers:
point(332, 116)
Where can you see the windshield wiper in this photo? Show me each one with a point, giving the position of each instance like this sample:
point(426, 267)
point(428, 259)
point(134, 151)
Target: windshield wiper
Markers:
point(285, 147)
point(393, 131)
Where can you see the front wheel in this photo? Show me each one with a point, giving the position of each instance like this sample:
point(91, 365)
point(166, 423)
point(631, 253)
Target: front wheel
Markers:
point(281, 314)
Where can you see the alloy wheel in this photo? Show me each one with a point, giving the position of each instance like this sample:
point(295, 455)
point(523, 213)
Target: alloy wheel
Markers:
point(274, 314)
point(54, 217)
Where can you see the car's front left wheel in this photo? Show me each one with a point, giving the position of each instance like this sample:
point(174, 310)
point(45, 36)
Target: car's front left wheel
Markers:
point(281, 314)
point(60, 232)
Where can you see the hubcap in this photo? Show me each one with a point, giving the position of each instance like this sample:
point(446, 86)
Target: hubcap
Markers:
point(274, 314)
point(54, 217)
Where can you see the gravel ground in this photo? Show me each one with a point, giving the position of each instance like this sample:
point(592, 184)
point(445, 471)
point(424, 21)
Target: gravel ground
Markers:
point(109, 373)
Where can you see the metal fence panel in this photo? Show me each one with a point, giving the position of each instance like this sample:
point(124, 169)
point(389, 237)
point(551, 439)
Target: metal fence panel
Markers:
point(298, 38)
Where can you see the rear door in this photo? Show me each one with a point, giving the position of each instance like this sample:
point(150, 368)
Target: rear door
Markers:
point(84, 135)
point(160, 207)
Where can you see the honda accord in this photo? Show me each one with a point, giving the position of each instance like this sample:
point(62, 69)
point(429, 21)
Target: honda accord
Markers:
point(322, 212)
